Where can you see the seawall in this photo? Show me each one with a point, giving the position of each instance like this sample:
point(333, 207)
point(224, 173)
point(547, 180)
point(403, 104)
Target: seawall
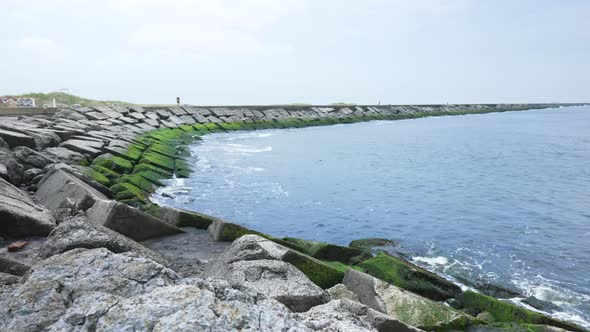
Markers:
point(101, 165)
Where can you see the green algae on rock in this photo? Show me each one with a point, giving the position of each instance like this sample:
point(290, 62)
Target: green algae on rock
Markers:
point(329, 252)
point(411, 277)
point(505, 312)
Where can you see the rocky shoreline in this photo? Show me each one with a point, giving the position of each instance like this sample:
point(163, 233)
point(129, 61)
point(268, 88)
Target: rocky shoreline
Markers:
point(76, 223)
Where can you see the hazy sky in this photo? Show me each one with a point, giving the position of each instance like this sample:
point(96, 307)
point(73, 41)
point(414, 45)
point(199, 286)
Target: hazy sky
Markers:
point(310, 51)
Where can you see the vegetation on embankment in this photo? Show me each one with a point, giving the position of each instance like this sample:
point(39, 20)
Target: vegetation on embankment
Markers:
point(134, 173)
point(62, 98)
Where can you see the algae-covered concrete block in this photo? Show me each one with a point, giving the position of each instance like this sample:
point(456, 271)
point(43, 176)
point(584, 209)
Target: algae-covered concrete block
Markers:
point(184, 218)
point(327, 251)
point(507, 312)
point(129, 221)
point(409, 276)
point(404, 305)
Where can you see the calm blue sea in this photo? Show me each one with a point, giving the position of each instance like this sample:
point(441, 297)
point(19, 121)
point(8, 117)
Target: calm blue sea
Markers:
point(502, 198)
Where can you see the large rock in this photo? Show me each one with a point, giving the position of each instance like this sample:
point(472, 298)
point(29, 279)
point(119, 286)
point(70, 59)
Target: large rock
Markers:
point(59, 188)
point(198, 308)
point(346, 315)
point(91, 148)
point(64, 155)
point(20, 215)
point(14, 170)
point(31, 158)
point(78, 286)
point(78, 232)
point(276, 279)
point(129, 221)
point(411, 277)
point(14, 139)
point(254, 247)
point(403, 305)
point(185, 218)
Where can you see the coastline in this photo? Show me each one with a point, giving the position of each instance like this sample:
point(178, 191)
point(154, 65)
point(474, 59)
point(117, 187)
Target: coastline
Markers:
point(128, 167)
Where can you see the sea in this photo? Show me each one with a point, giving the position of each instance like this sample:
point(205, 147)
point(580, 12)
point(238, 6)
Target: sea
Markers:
point(497, 198)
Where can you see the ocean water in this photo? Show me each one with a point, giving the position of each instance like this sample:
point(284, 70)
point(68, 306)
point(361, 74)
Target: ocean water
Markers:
point(500, 198)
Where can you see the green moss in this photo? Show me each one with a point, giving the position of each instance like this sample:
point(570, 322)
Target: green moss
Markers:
point(164, 149)
point(96, 176)
point(201, 128)
point(506, 312)
point(370, 243)
point(187, 128)
point(231, 231)
point(408, 276)
point(326, 251)
point(194, 219)
point(159, 160)
point(114, 163)
point(153, 177)
point(321, 274)
point(110, 174)
point(212, 127)
point(151, 168)
point(138, 181)
point(342, 267)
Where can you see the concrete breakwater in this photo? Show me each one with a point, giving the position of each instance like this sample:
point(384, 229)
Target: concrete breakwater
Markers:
point(80, 182)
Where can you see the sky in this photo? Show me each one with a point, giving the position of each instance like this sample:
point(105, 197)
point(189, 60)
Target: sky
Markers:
point(256, 52)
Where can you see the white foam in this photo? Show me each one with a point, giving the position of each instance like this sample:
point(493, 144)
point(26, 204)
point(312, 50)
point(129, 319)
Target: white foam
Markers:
point(432, 261)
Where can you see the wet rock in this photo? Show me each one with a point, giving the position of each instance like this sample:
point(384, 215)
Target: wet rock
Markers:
point(31, 158)
point(275, 279)
point(345, 315)
point(20, 215)
point(409, 276)
point(540, 304)
point(59, 188)
point(506, 312)
point(185, 218)
point(8, 279)
point(129, 221)
point(327, 251)
point(14, 170)
point(78, 232)
point(403, 305)
point(498, 292)
point(11, 266)
point(371, 243)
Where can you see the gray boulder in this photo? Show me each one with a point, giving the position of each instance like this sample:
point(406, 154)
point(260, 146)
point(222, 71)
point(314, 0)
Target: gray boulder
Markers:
point(3, 143)
point(278, 280)
point(69, 114)
point(3, 172)
point(59, 188)
point(66, 285)
point(63, 155)
point(14, 139)
point(20, 215)
point(193, 308)
point(31, 158)
point(403, 305)
point(92, 148)
point(14, 170)
point(129, 221)
point(78, 232)
point(345, 315)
